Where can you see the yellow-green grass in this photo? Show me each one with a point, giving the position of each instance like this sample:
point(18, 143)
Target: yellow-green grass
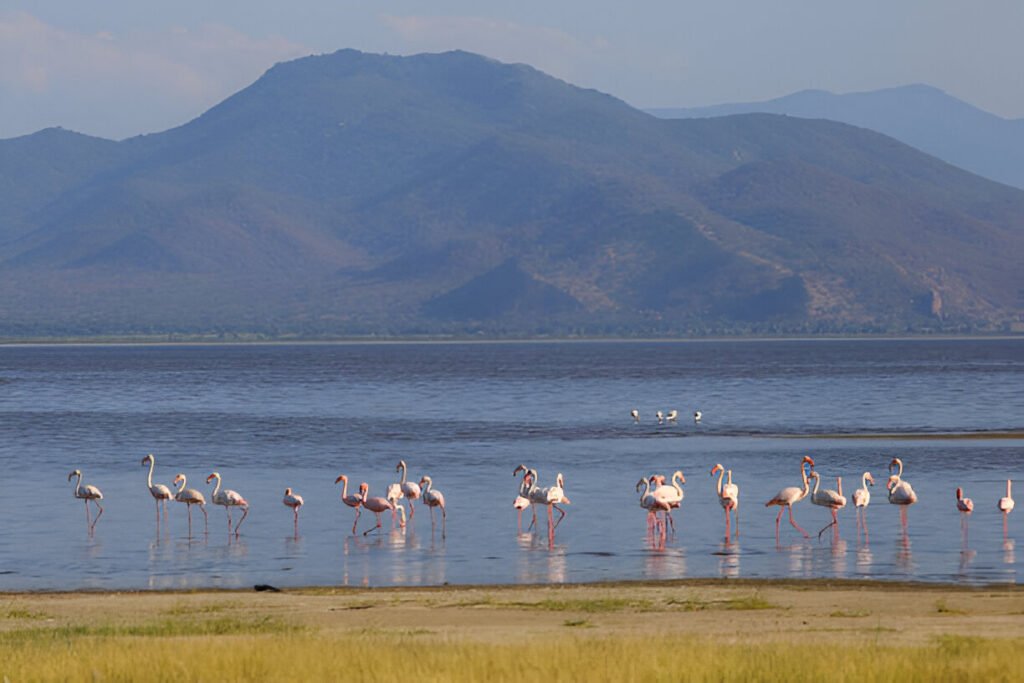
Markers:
point(696, 630)
point(154, 655)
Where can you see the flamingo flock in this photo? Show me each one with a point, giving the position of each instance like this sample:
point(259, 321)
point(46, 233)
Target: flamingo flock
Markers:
point(658, 496)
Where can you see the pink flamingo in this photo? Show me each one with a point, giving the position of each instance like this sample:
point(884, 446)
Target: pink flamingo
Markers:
point(522, 501)
point(410, 490)
point(433, 498)
point(228, 499)
point(87, 492)
point(191, 497)
point(861, 500)
point(294, 501)
point(377, 505)
point(900, 492)
point(354, 500)
point(672, 495)
point(651, 503)
point(1005, 506)
point(963, 504)
point(833, 500)
point(158, 491)
point(790, 496)
point(728, 498)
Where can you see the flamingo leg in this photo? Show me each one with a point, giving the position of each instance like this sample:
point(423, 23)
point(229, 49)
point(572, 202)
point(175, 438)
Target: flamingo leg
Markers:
point(444, 522)
point(245, 514)
point(562, 514)
point(189, 507)
point(519, 524)
point(157, 501)
point(727, 532)
point(374, 527)
point(778, 518)
point(100, 507)
point(412, 510)
point(736, 512)
point(835, 521)
point(359, 511)
point(795, 524)
point(296, 511)
point(551, 527)
point(534, 522)
point(206, 519)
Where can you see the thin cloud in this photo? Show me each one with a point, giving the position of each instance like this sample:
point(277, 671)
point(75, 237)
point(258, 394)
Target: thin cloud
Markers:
point(163, 78)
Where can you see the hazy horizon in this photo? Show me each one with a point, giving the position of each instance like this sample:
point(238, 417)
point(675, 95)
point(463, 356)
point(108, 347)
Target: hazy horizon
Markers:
point(120, 70)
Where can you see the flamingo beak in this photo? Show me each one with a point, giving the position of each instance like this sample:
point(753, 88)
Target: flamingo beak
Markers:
point(209, 479)
point(339, 478)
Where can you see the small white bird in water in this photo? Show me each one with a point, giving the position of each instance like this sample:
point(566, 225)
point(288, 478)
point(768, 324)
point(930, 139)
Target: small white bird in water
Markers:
point(661, 417)
point(697, 415)
point(635, 414)
point(672, 416)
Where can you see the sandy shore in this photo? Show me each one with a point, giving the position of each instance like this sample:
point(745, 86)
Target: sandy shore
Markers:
point(748, 611)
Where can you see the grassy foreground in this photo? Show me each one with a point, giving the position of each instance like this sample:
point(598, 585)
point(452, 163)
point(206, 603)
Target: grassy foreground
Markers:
point(700, 630)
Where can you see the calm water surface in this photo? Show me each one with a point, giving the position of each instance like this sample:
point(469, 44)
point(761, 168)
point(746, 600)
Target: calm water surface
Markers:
point(268, 417)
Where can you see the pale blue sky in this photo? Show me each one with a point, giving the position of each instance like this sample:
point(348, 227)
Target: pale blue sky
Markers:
point(117, 68)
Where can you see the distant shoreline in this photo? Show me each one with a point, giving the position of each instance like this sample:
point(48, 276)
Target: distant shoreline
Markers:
point(355, 341)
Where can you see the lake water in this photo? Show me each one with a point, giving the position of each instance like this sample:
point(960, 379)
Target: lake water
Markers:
point(270, 417)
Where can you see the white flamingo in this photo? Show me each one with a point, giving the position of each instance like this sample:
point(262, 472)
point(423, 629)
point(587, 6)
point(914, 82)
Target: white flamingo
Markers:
point(672, 416)
point(410, 489)
point(87, 492)
point(900, 492)
point(697, 416)
point(963, 504)
point(377, 505)
point(861, 500)
point(652, 505)
point(790, 496)
point(522, 501)
point(728, 497)
point(433, 498)
point(833, 500)
point(635, 414)
point(158, 491)
point(294, 501)
point(1005, 506)
point(191, 497)
point(661, 417)
point(670, 494)
point(228, 499)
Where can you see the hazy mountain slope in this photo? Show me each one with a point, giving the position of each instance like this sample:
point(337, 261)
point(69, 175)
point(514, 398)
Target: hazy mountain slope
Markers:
point(919, 115)
point(356, 193)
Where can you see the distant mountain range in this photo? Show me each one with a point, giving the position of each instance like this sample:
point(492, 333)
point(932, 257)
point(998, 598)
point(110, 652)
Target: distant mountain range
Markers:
point(919, 115)
point(361, 194)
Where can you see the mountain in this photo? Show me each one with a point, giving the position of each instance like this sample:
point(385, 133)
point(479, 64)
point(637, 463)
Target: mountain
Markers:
point(919, 115)
point(361, 194)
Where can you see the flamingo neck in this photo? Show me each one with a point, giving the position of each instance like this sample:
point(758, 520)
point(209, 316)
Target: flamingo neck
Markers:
point(817, 483)
point(839, 485)
point(217, 487)
point(427, 482)
point(721, 473)
point(182, 487)
point(1008, 483)
point(402, 467)
point(864, 481)
point(149, 479)
point(344, 488)
point(676, 484)
point(647, 489)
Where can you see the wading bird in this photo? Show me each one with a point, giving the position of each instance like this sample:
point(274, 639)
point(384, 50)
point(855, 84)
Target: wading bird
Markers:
point(671, 495)
point(661, 417)
point(697, 415)
point(354, 500)
point(728, 497)
point(228, 499)
point(653, 506)
point(158, 491)
point(410, 489)
point(635, 414)
point(433, 498)
point(963, 504)
point(522, 501)
point(1005, 506)
point(294, 501)
point(900, 492)
point(833, 500)
point(861, 500)
point(191, 497)
point(377, 505)
point(87, 492)
point(790, 496)
point(672, 416)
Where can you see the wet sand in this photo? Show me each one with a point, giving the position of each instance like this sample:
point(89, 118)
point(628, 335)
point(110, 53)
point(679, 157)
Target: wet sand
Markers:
point(740, 611)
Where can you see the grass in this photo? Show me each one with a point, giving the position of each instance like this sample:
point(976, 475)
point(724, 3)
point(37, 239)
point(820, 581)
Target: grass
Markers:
point(164, 628)
point(15, 613)
point(850, 613)
point(172, 654)
point(942, 608)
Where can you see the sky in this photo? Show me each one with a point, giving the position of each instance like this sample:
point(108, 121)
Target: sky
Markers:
point(118, 68)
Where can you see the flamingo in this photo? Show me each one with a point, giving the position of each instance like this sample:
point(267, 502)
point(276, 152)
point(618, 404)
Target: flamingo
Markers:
point(833, 500)
point(87, 492)
point(353, 501)
point(410, 490)
point(963, 504)
point(158, 491)
point(728, 497)
point(191, 497)
point(228, 499)
point(433, 498)
point(522, 501)
point(661, 417)
point(377, 505)
point(672, 416)
point(652, 505)
point(294, 501)
point(550, 497)
point(1006, 503)
point(900, 492)
point(672, 495)
point(1005, 506)
point(697, 415)
point(635, 414)
point(790, 496)
point(861, 500)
